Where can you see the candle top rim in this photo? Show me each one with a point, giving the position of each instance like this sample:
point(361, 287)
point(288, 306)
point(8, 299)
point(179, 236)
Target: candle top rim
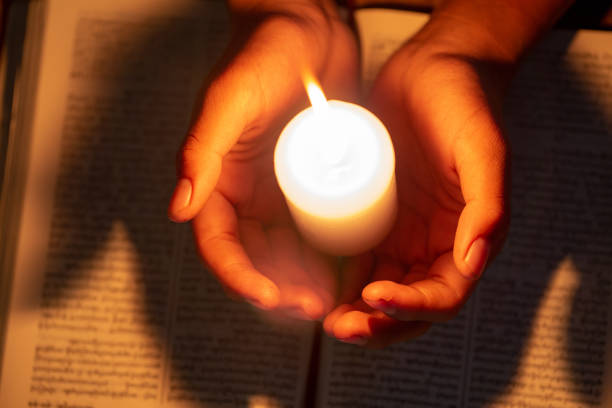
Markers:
point(374, 156)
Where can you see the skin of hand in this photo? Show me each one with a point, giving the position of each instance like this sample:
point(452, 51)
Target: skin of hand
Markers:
point(226, 180)
point(440, 97)
point(451, 173)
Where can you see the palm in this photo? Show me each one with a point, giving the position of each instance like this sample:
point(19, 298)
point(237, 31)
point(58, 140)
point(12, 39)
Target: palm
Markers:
point(303, 276)
point(429, 192)
point(428, 213)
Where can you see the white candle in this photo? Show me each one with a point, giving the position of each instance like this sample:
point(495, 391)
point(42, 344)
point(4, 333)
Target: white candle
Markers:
point(335, 165)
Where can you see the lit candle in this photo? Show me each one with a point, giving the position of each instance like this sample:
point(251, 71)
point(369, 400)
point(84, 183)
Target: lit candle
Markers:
point(335, 165)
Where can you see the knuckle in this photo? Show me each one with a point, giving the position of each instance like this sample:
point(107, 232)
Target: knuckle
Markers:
point(191, 142)
point(188, 149)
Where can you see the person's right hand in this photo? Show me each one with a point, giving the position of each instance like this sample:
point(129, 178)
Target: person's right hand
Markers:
point(451, 172)
point(440, 96)
point(226, 180)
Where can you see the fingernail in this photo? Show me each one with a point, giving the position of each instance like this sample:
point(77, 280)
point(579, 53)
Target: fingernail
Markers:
point(382, 305)
point(358, 340)
point(258, 304)
point(390, 310)
point(476, 258)
point(182, 194)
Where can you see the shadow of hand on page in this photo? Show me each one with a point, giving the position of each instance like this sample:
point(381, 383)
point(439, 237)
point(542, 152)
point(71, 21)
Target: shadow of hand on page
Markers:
point(117, 268)
point(542, 308)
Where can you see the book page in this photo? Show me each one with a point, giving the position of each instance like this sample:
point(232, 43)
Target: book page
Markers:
point(429, 371)
point(381, 32)
point(17, 52)
point(110, 305)
point(537, 331)
point(549, 292)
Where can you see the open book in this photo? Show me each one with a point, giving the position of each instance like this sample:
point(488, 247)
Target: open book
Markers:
point(104, 302)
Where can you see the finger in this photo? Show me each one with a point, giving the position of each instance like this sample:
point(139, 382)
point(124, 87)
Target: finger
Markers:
point(438, 297)
point(301, 302)
point(481, 163)
point(375, 329)
point(216, 235)
point(330, 319)
point(220, 122)
point(300, 295)
point(255, 242)
point(323, 272)
point(354, 273)
point(245, 97)
point(389, 270)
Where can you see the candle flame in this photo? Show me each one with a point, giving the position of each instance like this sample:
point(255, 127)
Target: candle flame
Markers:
point(333, 142)
point(316, 95)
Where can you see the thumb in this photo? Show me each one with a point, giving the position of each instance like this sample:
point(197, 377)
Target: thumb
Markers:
point(219, 122)
point(482, 165)
point(260, 82)
point(237, 100)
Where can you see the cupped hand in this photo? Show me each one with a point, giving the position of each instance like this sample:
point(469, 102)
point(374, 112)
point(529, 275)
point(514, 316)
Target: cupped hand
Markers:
point(441, 104)
point(226, 181)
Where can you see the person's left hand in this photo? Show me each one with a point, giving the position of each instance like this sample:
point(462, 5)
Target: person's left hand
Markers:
point(226, 182)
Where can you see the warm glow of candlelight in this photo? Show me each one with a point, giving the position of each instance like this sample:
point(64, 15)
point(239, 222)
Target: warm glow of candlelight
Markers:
point(334, 163)
point(316, 96)
point(331, 142)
